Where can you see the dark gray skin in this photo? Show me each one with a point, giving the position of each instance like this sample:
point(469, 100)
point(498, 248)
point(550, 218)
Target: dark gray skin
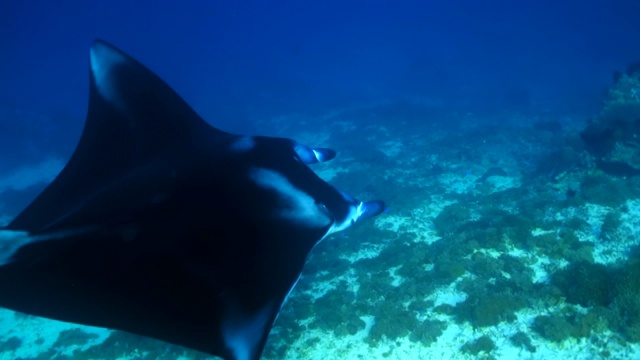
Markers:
point(164, 226)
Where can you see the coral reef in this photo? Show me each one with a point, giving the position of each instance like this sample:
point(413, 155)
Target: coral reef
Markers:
point(482, 345)
point(610, 292)
point(604, 190)
point(523, 341)
point(585, 284)
point(10, 344)
point(565, 324)
point(490, 302)
point(612, 137)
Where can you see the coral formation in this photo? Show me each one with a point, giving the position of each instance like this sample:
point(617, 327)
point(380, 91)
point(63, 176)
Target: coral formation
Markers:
point(585, 284)
point(481, 345)
point(427, 331)
point(553, 328)
point(489, 302)
point(523, 340)
point(612, 137)
point(604, 190)
point(565, 324)
point(10, 344)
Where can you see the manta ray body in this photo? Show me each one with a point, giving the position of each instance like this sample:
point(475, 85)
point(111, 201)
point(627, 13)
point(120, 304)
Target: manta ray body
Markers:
point(164, 226)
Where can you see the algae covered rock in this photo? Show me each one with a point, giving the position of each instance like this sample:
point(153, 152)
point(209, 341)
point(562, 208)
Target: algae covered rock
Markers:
point(451, 218)
point(604, 190)
point(481, 345)
point(428, 331)
point(585, 283)
point(625, 307)
point(610, 225)
point(489, 309)
point(391, 322)
point(523, 340)
point(623, 100)
point(568, 323)
point(553, 328)
point(613, 136)
point(10, 344)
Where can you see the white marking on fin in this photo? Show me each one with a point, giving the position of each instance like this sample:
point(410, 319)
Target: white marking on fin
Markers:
point(242, 333)
point(12, 240)
point(297, 205)
point(103, 60)
point(289, 292)
point(355, 212)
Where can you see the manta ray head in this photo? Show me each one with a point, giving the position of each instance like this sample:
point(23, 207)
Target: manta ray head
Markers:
point(297, 197)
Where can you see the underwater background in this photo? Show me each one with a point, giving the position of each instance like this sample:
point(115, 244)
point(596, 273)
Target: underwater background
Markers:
point(503, 135)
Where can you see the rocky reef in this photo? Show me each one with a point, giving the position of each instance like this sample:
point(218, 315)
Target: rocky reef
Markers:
point(612, 138)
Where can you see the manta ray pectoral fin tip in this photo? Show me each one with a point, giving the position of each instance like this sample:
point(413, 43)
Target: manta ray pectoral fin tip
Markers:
point(244, 334)
point(103, 59)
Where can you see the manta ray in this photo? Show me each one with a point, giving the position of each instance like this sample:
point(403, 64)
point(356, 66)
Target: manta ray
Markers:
point(164, 226)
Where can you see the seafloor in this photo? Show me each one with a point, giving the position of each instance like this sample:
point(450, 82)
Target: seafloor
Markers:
point(502, 240)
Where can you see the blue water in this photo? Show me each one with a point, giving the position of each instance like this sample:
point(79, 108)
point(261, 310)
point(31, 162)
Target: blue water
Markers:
point(423, 100)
